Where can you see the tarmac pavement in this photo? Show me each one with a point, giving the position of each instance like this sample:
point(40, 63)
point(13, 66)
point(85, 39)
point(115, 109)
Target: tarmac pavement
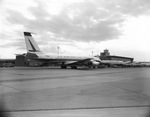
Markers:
point(38, 92)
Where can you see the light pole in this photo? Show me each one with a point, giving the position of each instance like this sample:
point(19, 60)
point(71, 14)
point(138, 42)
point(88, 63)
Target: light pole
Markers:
point(58, 50)
point(92, 53)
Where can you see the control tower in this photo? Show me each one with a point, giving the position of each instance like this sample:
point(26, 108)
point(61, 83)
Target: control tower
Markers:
point(105, 53)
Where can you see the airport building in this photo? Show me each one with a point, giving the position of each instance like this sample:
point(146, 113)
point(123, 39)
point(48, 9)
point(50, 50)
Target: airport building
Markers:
point(106, 56)
point(7, 62)
point(21, 60)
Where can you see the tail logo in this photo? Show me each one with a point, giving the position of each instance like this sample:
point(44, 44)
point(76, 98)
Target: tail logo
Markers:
point(33, 48)
point(30, 43)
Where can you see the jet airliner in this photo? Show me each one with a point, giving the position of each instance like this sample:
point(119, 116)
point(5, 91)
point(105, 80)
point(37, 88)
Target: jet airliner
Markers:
point(35, 54)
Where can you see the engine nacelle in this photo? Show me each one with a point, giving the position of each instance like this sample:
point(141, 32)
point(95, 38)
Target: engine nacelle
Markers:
point(93, 63)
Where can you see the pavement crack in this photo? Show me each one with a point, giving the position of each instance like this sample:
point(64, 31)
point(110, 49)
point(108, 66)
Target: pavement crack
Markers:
point(13, 88)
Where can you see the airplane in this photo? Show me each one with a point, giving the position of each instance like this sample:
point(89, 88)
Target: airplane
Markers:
point(35, 54)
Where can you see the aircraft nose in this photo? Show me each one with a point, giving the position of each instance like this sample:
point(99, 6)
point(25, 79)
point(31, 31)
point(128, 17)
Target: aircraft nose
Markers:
point(97, 59)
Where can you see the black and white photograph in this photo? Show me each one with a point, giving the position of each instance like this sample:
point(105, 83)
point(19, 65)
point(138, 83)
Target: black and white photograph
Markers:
point(75, 58)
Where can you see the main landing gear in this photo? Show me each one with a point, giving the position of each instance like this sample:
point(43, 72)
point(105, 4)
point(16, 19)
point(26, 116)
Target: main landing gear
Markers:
point(63, 67)
point(73, 67)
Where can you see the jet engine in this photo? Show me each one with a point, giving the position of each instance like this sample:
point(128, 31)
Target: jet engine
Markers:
point(93, 63)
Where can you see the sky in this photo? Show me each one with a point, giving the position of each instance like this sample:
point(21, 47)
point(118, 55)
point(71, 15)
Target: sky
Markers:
point(77, 27)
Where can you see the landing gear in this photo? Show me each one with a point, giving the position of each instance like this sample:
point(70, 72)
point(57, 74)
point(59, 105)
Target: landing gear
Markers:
point(63, 67)
point(73, 67)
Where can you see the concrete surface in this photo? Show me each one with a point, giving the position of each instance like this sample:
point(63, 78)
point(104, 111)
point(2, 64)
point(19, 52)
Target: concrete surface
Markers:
point(38, 92)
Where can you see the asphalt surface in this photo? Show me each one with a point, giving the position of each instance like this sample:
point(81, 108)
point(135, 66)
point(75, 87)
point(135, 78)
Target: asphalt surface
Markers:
point(54, 92)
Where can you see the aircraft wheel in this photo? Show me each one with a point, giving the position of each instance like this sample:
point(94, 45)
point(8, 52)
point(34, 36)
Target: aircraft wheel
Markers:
point(63, 67)
point(73, 67)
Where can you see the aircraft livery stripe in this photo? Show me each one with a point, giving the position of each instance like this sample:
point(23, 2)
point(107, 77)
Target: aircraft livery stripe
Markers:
point(34, 50)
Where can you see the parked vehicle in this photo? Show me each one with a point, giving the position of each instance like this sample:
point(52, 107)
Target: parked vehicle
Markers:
point(7, 65)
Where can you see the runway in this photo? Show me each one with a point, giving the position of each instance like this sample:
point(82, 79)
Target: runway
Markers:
point(54, 92)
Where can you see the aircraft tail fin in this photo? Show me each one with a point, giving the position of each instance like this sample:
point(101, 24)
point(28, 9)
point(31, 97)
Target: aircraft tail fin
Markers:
point(31, 45)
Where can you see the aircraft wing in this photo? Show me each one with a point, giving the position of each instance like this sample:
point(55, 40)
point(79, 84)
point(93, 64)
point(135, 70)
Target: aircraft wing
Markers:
point(79, 62)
